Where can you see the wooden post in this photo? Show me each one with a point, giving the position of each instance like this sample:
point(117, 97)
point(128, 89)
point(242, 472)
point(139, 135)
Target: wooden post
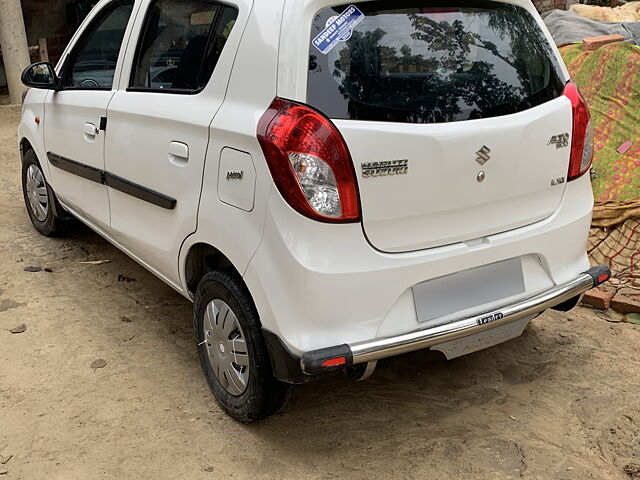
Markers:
point(42, 50)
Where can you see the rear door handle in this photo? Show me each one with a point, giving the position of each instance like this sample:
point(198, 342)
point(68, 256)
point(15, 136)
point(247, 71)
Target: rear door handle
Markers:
point(178, 154)
point(90, 131)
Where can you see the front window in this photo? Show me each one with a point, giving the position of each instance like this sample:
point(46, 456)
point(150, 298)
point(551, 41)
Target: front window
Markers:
point(92, 64)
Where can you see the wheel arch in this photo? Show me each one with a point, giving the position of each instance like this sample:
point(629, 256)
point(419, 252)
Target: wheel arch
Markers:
point(201, 259)
point(25, 146)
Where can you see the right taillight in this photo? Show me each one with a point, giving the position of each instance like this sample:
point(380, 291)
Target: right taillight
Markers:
point(309, 162)
point(582, 135)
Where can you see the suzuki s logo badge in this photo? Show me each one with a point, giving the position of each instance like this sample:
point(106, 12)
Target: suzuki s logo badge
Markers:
point(483, 155)
point(560, 141)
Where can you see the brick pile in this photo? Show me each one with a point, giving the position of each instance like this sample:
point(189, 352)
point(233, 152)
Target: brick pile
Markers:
point(624, 300)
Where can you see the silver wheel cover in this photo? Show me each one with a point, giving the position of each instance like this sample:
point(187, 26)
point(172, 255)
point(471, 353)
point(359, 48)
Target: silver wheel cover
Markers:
point(36, 190)
point(226, 347)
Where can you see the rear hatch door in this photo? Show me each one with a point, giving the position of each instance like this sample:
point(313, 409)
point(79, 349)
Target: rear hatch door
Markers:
point(454, 117)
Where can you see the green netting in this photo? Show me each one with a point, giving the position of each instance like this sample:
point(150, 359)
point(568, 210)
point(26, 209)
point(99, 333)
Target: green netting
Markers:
point(609, 78)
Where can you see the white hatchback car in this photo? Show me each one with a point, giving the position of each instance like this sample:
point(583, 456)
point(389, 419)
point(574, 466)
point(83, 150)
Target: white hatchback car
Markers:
point(330, 183)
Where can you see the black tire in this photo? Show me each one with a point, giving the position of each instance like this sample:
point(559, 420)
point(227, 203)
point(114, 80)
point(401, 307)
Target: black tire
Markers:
point(264, 395)
point(52, 224)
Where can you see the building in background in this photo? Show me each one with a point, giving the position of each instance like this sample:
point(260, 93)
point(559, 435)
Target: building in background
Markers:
point(49, 25)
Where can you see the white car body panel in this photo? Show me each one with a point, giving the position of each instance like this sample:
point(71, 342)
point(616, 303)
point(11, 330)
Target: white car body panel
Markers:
point(314, 297)
point(69, 114)
point(139, 142)
point(32, 108)
point(440, 200)
point(235, 125)
point(73, 114)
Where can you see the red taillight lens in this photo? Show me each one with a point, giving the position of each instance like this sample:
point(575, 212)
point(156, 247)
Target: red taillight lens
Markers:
point(309, 162)
point(582, 136)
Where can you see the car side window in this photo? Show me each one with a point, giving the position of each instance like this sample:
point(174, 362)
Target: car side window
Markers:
point(92, 63)
point(180, 46)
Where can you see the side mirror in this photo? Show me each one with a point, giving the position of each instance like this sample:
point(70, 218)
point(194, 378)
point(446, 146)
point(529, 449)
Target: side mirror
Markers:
point(41, 75)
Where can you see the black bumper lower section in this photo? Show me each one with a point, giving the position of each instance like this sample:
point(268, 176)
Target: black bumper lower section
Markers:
point(286, 366)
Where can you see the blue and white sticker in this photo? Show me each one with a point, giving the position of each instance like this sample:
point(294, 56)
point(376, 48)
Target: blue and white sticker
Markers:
point(338, 29)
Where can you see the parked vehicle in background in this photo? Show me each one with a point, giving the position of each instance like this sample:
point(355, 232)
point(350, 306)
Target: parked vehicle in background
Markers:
point(331, 184)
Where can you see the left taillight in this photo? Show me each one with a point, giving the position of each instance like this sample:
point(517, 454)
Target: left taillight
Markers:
point(309, 162)
point(582, 135)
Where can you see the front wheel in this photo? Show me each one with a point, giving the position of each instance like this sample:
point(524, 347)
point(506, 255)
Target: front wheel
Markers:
point(42, 204)
point(232, 349)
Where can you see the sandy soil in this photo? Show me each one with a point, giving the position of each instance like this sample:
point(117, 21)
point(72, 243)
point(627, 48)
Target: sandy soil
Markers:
point(562, 402)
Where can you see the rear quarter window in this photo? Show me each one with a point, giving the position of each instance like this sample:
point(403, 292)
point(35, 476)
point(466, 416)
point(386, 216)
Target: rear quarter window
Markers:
point(410, 63)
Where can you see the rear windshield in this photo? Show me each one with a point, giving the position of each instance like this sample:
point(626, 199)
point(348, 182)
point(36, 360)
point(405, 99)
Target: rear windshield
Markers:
point(411, 64)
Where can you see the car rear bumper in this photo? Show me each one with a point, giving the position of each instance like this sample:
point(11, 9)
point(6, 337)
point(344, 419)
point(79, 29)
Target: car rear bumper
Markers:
point(319, 361)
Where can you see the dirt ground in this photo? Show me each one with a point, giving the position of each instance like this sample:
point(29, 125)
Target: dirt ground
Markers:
point(562, 402)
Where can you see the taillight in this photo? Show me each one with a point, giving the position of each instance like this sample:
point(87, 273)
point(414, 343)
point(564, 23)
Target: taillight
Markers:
point(582, 136)
point(309, 162)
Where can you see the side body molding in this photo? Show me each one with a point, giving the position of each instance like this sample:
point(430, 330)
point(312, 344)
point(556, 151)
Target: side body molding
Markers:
point(111, 180)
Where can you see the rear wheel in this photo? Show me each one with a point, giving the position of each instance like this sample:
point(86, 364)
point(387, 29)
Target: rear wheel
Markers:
point(232, 349)
point(42, 204)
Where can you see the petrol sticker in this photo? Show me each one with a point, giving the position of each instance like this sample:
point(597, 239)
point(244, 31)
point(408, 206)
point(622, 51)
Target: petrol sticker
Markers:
point(338, 29)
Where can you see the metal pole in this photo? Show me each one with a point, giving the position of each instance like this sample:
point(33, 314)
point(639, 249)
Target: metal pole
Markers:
point(15, 49)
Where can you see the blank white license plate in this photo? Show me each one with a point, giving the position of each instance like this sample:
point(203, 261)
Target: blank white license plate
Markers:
point(443, 296)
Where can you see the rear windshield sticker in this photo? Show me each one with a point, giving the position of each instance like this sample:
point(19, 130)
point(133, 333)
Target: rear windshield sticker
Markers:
point(339, 29)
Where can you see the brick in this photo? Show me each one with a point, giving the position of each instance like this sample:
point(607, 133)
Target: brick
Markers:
point(626, 300)
point(599, 297)
point(591, 44)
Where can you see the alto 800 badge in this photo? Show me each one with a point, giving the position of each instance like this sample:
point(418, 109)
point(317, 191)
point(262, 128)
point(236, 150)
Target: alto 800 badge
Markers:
point(385, 169)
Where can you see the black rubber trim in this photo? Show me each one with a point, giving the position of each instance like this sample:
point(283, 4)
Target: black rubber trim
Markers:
point(312, 361)
point(597, 272)
point(76, 168)
point(286, 365)
point(140, 192)
point(113, 181)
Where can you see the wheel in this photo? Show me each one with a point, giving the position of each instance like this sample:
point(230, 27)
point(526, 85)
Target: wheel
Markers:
point(232, 349)
point(42, 204)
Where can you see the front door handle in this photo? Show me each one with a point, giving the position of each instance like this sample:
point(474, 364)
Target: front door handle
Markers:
point(178, 154)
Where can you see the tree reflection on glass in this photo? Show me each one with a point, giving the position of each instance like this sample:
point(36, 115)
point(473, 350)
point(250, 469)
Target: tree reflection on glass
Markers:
point(472, 63)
